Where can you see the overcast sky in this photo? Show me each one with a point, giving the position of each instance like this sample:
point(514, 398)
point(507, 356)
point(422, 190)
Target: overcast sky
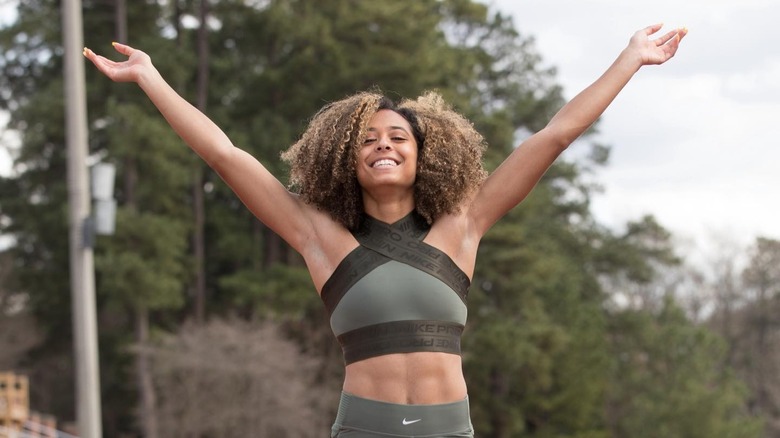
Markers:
point(695, 142)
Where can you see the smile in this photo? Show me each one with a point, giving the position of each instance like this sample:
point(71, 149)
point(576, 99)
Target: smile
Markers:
point(385, 162)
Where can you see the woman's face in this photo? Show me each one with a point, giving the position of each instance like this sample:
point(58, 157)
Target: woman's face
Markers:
point(388, 156)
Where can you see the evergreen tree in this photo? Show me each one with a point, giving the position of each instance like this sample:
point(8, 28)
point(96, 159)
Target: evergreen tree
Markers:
point(536, 353)
point(668, 380)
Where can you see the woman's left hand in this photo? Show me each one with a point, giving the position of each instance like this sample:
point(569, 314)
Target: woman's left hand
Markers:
point(659, 50)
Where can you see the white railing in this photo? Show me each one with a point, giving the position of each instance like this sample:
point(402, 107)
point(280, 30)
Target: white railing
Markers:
point(34, 430)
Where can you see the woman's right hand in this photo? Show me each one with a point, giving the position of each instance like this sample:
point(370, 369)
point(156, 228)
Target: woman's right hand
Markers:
point(659, 50)
point(133, 69)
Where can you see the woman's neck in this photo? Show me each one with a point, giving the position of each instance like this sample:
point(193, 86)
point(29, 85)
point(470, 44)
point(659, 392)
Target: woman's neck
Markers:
point(388, 210)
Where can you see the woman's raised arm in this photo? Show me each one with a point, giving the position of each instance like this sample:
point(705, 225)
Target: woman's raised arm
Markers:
point(260, 191)
point(522, 170)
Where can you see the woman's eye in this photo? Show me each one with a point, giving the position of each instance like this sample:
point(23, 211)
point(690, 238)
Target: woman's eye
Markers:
point(399, 139)
point(369, 140)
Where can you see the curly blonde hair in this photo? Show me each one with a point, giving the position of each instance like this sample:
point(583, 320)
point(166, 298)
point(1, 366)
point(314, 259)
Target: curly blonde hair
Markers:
point(323, 161)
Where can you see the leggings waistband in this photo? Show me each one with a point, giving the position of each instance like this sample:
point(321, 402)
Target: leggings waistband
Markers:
point(378, 418)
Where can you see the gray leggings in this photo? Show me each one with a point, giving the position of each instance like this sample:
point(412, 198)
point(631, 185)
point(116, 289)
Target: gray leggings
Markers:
point(363, 418)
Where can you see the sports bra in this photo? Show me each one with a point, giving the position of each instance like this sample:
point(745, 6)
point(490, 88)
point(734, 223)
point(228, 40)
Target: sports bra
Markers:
point(395, 293)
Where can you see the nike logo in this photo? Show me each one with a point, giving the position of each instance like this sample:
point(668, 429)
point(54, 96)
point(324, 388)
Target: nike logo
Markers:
point(406, 423)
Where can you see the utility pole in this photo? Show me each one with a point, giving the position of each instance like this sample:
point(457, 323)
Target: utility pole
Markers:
point(82, 269)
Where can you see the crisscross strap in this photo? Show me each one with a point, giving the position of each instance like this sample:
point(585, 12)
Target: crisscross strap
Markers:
point(402, 242)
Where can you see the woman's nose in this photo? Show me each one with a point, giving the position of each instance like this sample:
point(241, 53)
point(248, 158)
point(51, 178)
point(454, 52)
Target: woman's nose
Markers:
point(382, 145)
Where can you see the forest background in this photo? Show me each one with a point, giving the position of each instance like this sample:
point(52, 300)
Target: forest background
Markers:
point(209, 325)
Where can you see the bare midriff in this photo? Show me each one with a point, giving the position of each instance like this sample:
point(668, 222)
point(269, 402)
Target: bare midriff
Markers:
point(408, 378)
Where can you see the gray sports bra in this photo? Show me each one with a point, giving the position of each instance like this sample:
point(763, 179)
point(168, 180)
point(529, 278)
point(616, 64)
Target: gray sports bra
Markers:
point(396, 294)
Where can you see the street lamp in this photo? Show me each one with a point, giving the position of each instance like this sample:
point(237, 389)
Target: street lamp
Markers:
point(103, 202)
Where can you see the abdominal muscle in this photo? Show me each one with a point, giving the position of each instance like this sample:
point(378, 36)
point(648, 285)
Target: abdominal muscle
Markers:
point(408, 378)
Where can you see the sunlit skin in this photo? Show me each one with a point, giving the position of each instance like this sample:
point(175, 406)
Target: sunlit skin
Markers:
point(423, 377)
point(388, 192)
point(387, 186)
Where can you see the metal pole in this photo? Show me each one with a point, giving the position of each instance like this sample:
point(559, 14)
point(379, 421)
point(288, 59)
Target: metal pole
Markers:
point(82, 270)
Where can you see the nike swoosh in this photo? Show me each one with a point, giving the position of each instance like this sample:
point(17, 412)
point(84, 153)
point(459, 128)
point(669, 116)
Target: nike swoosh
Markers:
point(406, 423)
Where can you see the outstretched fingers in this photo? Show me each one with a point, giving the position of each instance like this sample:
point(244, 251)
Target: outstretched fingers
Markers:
point(123, 48)
point(128, 70)
point(657, 50)
point(675, 34)
point(95, 58)
point(653, 28)
point(671, 43)
point(103, 64)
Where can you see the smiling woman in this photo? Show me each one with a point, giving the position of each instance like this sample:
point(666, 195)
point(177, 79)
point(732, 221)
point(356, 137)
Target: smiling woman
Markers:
point(324, 162)
point(388, 155)
point(388, 208)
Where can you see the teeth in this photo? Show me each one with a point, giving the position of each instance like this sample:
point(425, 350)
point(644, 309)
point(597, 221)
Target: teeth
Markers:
point(384, 163)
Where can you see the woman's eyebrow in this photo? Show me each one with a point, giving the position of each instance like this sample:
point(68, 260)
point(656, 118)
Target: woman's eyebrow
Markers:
point(392, 128)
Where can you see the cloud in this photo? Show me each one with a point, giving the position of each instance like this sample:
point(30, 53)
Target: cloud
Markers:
point(696, 142)
point(757, 85)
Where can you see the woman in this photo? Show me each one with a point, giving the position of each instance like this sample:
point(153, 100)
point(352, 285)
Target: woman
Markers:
point(390, 207)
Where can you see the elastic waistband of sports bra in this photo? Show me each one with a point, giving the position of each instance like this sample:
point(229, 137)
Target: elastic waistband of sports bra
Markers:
point(400, 337)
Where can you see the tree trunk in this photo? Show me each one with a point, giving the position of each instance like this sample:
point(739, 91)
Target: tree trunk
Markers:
point(499, 388)
point(144, 373)
point(147, 416)
point(198, 202)
point(760, 354)
point(273, 248)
